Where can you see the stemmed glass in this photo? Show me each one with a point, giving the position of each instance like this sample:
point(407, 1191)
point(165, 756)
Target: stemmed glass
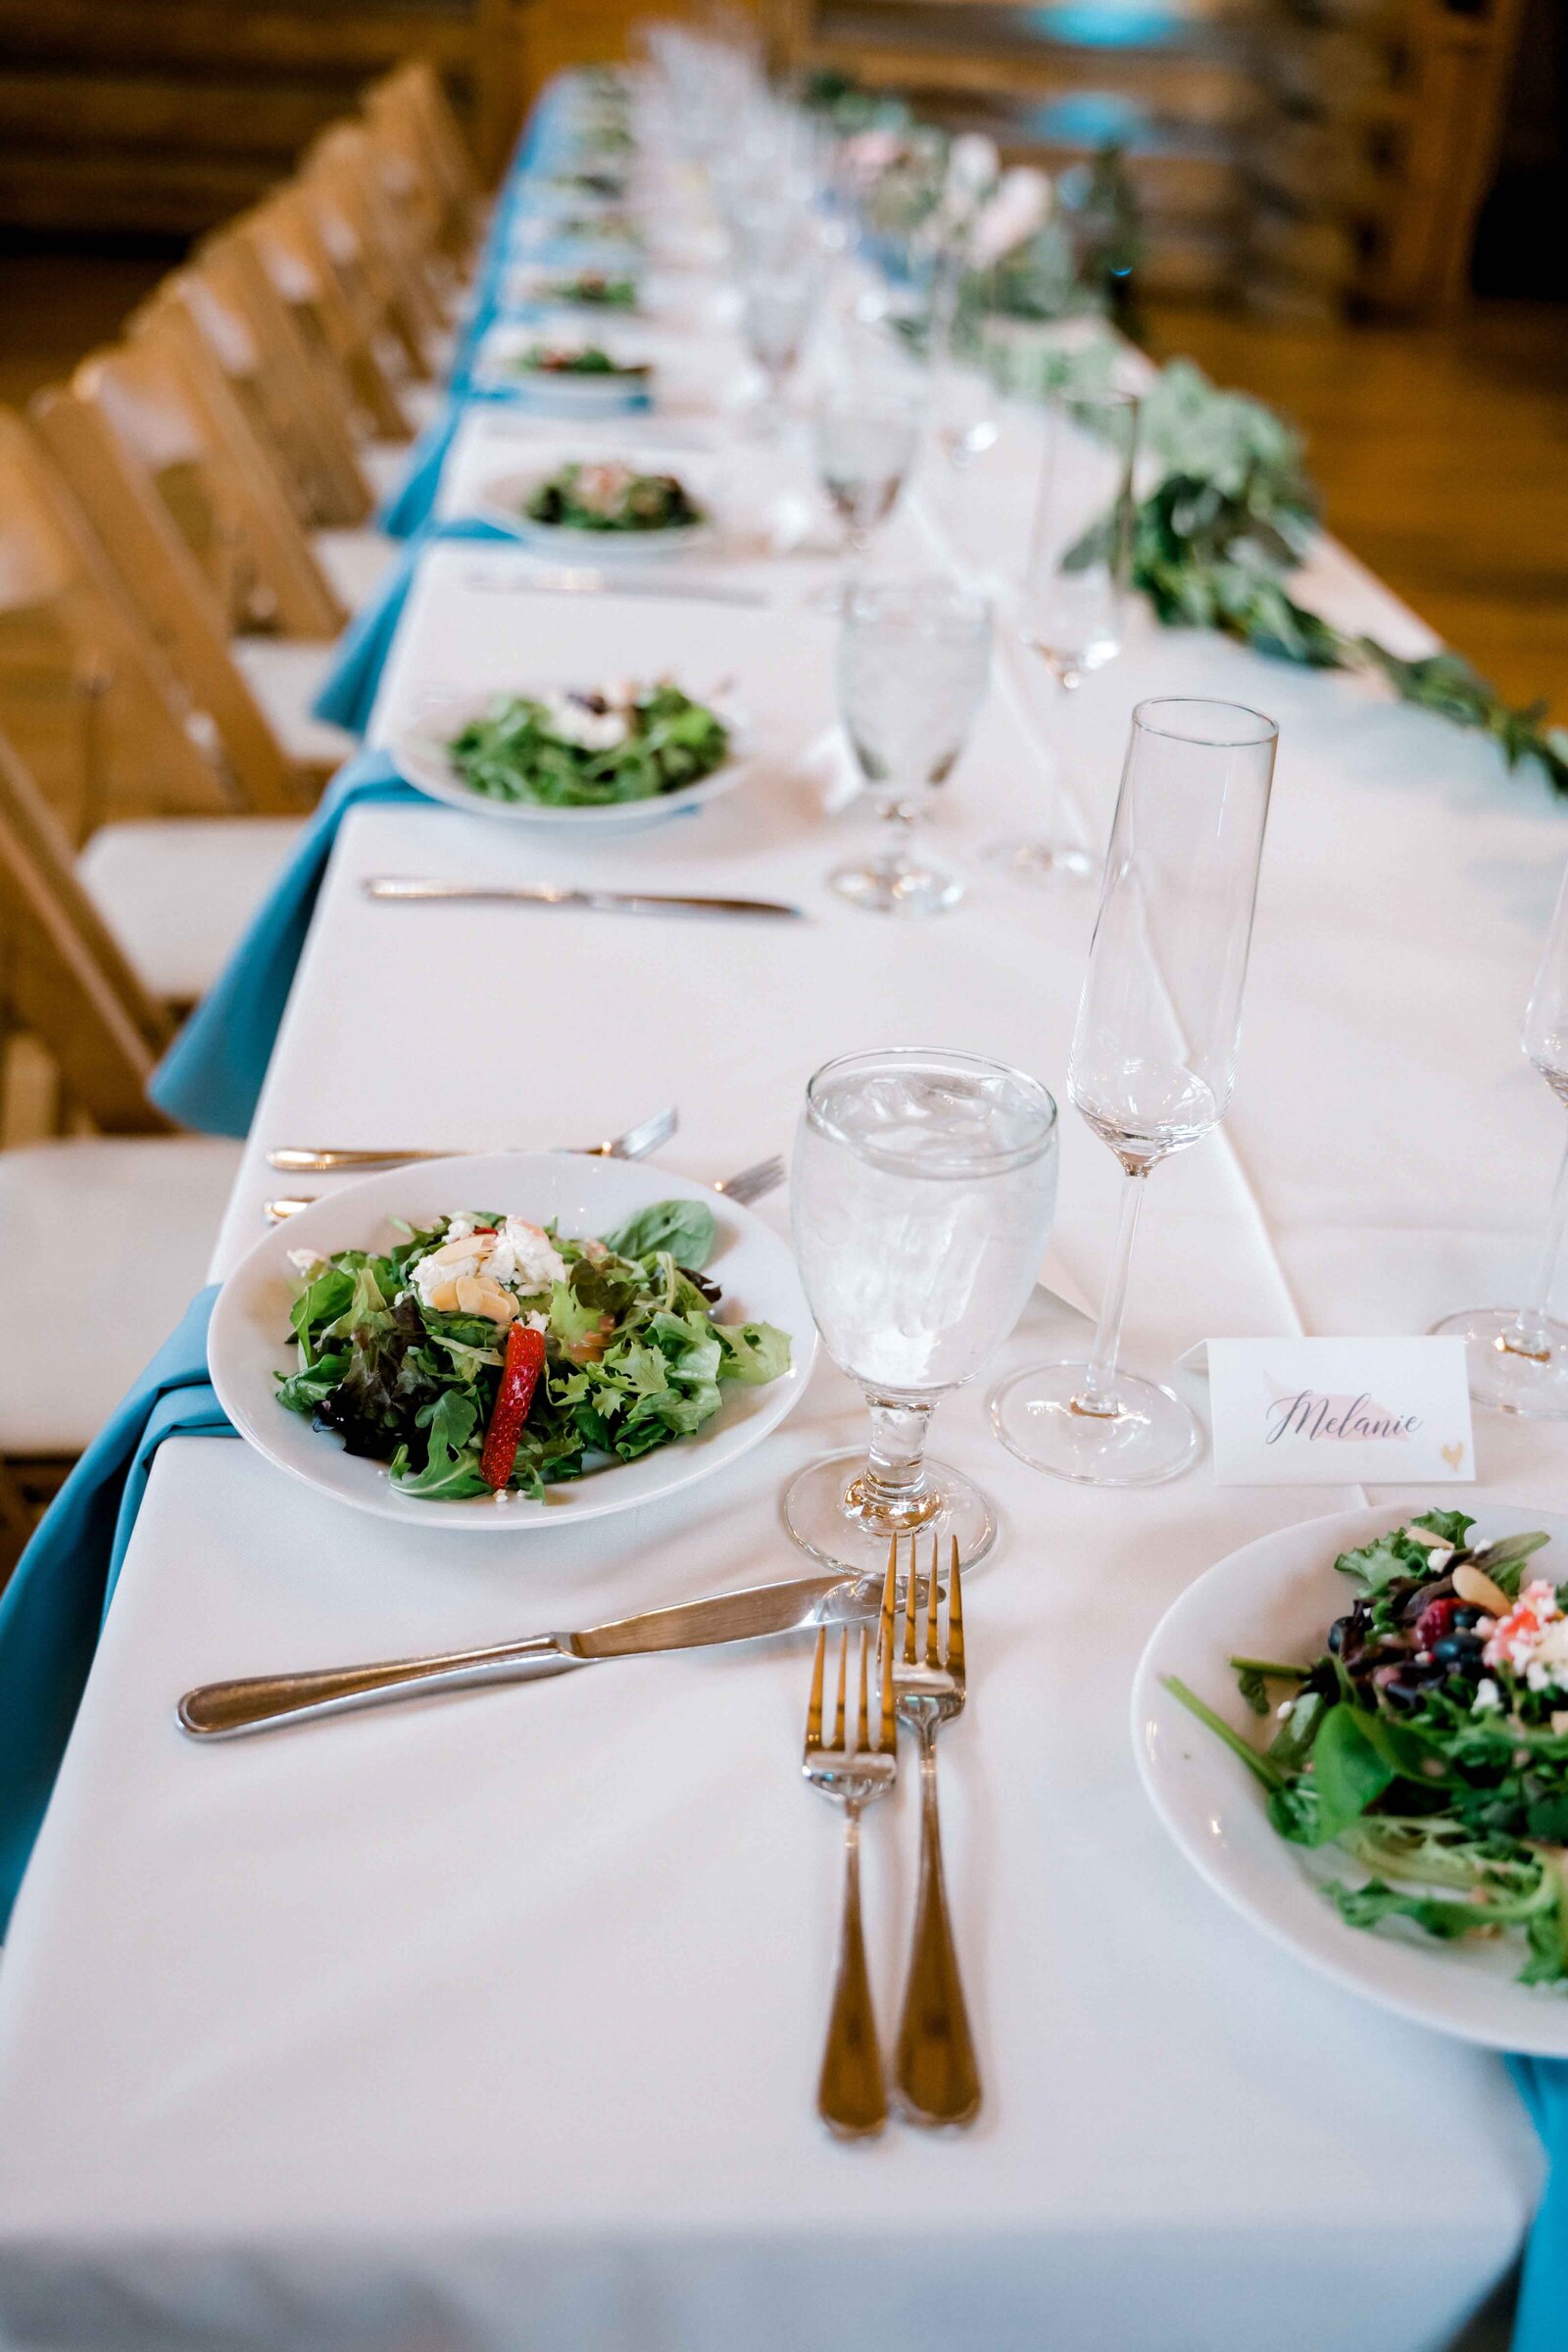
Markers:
point(1517, 1357)
point(1076, 575)
point(914, 657)
point(1154, 1054)
point(864, 441)
point(779, 298)
point(922, 1190)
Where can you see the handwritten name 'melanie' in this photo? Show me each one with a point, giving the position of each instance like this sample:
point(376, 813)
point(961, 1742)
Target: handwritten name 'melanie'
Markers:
point(1310, 1414)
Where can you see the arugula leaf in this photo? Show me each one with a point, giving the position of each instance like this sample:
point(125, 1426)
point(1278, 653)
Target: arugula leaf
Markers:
point(303, 1392)
point(322, 1300)
point(1293, 1742)
point(1383, 1561)
point(1253, 1676)
point(685, 1228)
point(452, 1465)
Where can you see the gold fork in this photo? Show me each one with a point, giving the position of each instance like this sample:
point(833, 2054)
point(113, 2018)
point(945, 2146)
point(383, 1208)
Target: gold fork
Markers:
point(934, 2067)
point(854, 1769)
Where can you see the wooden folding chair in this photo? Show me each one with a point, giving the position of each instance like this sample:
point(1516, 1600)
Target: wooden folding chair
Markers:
point(288, 236)
point(274, 761)
point(300, 386)
point(149, 1198)
point(426, 165)
point(80, 678)
point(343, 172)
point(178, 426)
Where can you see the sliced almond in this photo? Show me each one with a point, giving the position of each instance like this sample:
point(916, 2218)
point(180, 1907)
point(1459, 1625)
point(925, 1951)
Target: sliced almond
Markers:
point(452, 1253)
point(477, 1295)
point(1480, 1591)
point(442, 1297)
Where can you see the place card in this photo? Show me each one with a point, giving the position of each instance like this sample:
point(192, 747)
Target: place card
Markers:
point(1301, 1412)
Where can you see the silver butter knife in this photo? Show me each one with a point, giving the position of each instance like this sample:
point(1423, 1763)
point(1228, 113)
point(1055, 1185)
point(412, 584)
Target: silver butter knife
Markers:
point(221, 1710)
point(597, 901)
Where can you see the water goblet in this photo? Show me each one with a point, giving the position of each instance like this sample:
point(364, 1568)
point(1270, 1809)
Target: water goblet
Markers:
point(1076, 577)
point(777, 309)
point(1154, 1054)
point(922, 1190)
point(864, 441)
point(914, 657)
point(1517, 1357)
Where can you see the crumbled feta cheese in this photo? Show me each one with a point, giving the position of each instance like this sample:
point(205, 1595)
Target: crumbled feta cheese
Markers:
point(525, 1257)
point(574, 722)
point(1533, 1639)
point(306, 1261)
point(1488, 1699)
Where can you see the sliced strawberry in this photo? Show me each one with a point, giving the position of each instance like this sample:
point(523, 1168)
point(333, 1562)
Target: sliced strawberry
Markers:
point(520, 1377)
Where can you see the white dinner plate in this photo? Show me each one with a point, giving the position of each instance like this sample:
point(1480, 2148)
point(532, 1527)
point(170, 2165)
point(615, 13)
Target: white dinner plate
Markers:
point(505, 502)
point(249, 1342)
point(1276, 1599)
point(422, 758)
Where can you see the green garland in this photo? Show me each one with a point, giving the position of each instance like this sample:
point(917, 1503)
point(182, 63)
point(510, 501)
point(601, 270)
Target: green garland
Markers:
point(1216, 540)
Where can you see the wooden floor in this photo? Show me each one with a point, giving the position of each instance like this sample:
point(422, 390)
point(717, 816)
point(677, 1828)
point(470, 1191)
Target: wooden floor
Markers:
point(1442, 452)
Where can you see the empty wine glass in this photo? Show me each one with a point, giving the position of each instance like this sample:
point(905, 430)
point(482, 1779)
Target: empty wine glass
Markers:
point(1517, 1357)
point(864, 441)
point(963, 411)
point(922, 1190)
point(1076, 577)
point(913, 659)
point(779, 307)
point(1154, 1054)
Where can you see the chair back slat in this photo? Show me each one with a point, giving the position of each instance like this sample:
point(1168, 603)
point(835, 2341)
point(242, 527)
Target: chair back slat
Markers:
point(162, 578)
point(64, 976)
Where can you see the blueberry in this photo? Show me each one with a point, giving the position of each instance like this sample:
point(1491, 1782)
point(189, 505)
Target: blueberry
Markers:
point(1337, 1633)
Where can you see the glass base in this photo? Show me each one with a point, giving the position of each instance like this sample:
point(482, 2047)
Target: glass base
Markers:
point(1502, 1377)
point(1044, 865)
point(1152, 1436)
point(887, 889)
point(822, 1515)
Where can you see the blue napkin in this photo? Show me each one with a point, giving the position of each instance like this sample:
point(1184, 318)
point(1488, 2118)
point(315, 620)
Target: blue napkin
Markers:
point(348, 694)
point(52, 1610)
point(1540, 2322)
point(212, 1074)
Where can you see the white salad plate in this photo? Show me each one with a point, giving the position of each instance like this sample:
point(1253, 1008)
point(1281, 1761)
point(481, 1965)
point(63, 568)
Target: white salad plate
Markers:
point(250, 1343)
point(505, 502)
point(1276, 1599)
point(422, 758)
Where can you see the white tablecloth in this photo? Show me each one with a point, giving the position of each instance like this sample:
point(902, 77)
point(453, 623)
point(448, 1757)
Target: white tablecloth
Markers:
point(495, 2022)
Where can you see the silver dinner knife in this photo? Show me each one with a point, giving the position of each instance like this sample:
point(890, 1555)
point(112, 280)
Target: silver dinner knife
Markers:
point(550, 894)
point(221, 1710)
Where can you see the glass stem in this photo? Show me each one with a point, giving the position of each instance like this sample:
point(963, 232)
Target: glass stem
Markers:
point(899, 816)
point(1097, 1395)
point(893, 1481)
point(1530, 1334)
point(1068, 682)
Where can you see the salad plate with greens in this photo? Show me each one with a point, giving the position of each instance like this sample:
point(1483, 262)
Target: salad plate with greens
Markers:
point(582, 756)
point(510, 1342)
point(1357, 1730)
point(600, 508)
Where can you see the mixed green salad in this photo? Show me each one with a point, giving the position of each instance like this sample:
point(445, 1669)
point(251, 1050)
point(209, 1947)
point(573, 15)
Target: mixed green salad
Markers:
point(589, 179)
point(485, 1355)
point(594, 289)
point(1430, 1740)
point(575, 358)
point(588, 749)
point(612, 497)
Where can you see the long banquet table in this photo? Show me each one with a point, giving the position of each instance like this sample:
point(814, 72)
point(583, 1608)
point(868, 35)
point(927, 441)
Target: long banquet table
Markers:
point(494, 2023)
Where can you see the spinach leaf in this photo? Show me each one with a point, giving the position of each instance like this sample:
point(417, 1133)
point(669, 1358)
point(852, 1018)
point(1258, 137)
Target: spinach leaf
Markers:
point(1347, 1771)
point(685, 1228)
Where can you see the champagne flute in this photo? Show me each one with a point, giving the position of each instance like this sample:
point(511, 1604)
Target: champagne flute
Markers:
point(1076, 577)
point(1154, 1054)
point(914, 657)
point(1517, 1357)
point(922, 1190)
